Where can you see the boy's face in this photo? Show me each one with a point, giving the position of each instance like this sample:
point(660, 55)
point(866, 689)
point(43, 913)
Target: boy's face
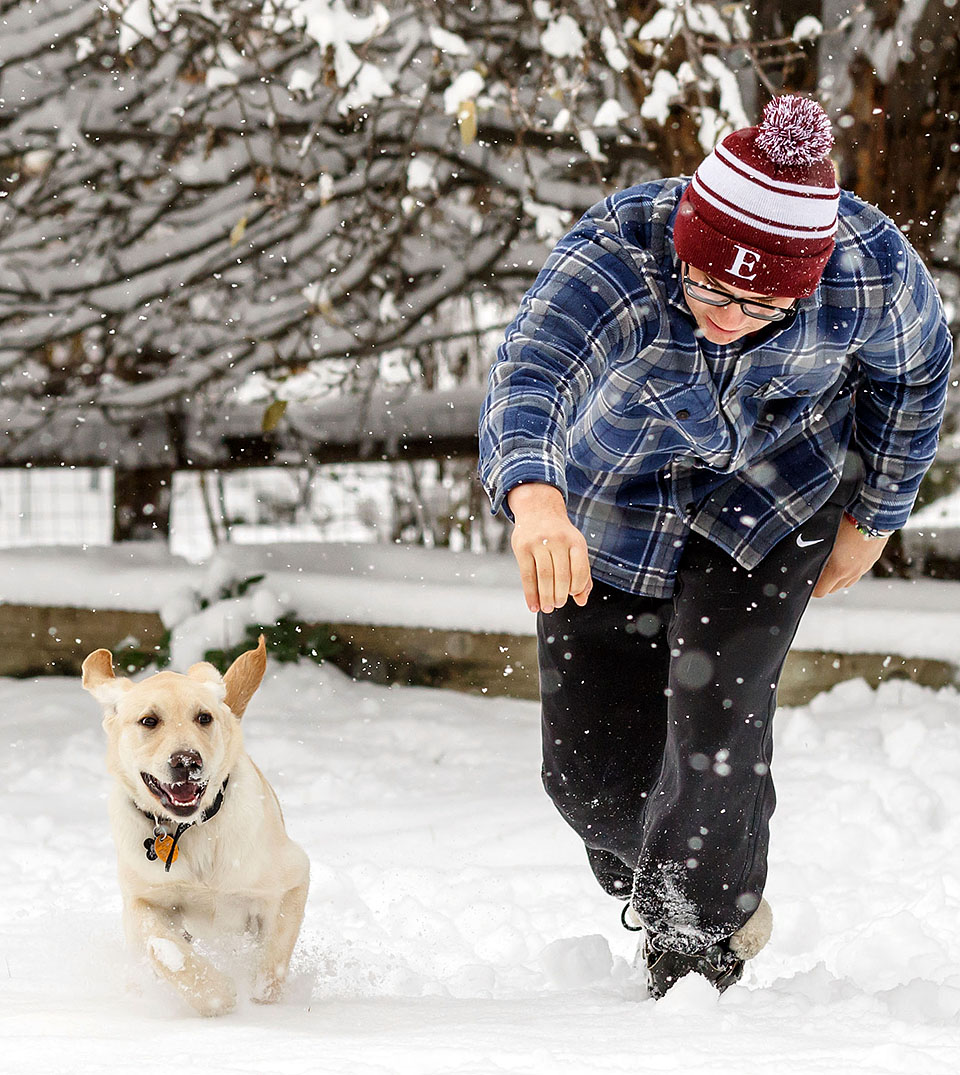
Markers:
point(724, 324)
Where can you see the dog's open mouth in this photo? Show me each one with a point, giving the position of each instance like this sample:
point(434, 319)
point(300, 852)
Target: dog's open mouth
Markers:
point(180, 799)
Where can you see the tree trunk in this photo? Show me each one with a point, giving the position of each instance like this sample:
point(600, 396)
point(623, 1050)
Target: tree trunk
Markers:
point(142, 495)
point(898, 139)
point(141, 504)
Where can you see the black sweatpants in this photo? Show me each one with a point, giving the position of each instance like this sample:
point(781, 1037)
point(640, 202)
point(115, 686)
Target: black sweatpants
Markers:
point(657, 729)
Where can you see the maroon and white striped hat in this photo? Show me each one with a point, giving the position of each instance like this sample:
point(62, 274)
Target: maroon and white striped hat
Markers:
point(761, 211)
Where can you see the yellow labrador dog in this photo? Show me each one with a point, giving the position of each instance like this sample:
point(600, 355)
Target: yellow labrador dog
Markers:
point(200, 838)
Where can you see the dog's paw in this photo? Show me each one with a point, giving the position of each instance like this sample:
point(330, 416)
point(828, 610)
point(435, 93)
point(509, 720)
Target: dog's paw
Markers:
point(214, 998)
point(208, 991)
point(267, 989)
point(218, 1005)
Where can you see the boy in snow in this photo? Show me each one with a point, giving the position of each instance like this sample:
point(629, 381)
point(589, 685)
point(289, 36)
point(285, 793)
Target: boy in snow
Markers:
point(718, 398)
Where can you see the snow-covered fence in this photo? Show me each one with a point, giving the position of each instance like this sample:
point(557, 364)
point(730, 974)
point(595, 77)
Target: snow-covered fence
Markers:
point(54, 507)
point(142, 474)
point(420, 502)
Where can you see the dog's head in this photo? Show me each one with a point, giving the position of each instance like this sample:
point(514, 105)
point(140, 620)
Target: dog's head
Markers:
point(173, 739)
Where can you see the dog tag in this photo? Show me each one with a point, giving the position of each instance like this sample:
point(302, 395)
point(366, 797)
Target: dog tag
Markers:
point(162, 845)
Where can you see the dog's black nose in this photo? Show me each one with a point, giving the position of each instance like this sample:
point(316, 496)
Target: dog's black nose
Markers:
point(185, 761)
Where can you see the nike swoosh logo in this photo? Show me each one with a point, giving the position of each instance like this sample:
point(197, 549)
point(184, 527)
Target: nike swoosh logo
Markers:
point(804, 544)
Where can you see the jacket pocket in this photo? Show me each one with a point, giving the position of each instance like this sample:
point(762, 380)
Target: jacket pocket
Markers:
point(685, 404)
point(809, 383)
point(692, 411)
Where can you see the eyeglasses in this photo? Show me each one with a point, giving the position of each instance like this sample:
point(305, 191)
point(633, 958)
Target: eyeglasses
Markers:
point(762, 311)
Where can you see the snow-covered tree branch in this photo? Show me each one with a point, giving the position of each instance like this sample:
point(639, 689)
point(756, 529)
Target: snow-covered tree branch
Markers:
point(197, 190)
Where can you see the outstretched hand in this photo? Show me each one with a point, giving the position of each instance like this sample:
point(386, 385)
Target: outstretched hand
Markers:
point(852, 557)
point(551, 552)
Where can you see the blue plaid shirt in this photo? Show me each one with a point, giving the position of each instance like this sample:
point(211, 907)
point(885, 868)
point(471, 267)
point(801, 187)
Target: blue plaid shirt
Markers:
point(602, 389)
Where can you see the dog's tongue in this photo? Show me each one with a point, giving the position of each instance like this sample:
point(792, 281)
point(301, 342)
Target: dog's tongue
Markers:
point(182, 793)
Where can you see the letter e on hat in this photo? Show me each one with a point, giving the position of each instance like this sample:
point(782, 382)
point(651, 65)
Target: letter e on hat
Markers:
point(745, 259)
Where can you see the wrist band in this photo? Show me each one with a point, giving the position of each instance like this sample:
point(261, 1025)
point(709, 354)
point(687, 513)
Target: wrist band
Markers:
point(866, 531)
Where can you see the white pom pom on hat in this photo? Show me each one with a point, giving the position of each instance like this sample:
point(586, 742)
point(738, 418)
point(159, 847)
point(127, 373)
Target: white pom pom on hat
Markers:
point(794, 131)
point(761, 210)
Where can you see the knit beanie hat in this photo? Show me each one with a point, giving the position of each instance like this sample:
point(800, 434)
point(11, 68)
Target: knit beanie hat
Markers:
point(761, 211)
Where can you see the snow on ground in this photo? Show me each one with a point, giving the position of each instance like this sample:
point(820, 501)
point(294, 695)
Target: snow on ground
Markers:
point(453, 926)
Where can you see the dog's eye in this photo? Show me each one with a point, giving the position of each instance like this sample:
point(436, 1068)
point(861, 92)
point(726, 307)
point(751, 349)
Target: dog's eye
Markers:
point(204, 718)
point(149, 721)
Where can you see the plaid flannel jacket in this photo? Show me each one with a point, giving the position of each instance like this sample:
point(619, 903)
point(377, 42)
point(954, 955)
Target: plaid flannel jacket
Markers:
point(602, 389)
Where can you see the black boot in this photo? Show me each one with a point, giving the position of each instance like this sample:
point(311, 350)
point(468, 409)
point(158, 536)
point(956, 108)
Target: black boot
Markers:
point(664, 968)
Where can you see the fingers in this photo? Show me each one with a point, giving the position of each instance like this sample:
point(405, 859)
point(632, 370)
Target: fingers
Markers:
point(830, 581)
point(561, 575)
point(833, 578)
point(826, 582)
point(536, 577)
point(551, 571)
point(580, 581)
point(553, 575)
point(545, 580)
point(528, 579)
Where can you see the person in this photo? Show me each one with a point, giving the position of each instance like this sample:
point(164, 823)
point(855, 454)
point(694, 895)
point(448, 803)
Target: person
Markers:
point(717, 399)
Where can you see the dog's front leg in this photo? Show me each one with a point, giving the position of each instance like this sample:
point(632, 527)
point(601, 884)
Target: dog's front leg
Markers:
point(281, 927)
point(196, 979)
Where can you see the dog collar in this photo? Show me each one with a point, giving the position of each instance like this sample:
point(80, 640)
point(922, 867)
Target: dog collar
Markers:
point(161, 844)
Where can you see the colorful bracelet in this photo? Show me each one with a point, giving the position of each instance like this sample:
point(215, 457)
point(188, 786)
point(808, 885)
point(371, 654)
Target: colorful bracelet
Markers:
point(866, 531)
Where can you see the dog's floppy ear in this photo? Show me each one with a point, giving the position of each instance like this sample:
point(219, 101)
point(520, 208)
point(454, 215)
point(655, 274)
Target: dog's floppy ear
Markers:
point(243, 677)
point(99, 680)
